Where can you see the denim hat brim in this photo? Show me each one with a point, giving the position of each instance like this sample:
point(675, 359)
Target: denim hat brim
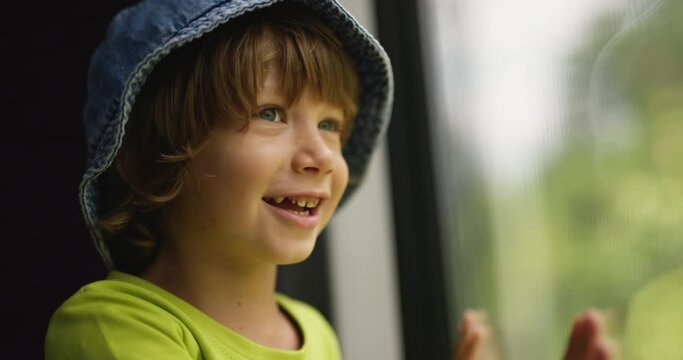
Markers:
point(141, 35)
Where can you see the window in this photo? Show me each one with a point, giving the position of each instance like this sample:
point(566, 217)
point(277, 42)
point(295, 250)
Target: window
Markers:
point(557, 148)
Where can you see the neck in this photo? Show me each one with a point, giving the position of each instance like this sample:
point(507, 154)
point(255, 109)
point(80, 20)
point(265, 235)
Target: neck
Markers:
point(236, 292)
point(241, 297)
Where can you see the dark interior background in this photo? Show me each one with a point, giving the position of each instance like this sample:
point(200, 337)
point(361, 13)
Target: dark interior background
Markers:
point(46, 251)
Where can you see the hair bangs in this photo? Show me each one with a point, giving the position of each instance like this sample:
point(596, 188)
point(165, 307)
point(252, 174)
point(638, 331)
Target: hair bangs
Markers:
point(317, 64)
point(308, 56)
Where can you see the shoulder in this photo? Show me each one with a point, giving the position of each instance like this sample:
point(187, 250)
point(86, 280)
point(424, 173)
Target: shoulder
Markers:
point(108, 318)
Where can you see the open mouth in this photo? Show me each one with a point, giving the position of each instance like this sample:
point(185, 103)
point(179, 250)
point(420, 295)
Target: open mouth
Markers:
point(302, 206)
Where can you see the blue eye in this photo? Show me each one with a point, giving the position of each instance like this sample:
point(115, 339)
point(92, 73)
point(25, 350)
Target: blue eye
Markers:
point(330, 125)
point(270, 114)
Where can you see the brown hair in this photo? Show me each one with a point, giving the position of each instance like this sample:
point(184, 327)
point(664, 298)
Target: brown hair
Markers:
point(211, 80)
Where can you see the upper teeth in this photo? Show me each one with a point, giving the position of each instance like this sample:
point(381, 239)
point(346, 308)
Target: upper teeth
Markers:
point(301, 201)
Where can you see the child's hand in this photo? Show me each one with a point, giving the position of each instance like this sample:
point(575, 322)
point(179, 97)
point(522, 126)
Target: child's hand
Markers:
point(473, 333)
point(589, 339)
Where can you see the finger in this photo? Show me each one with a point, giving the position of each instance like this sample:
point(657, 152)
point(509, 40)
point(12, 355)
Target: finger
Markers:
point(577, 339)
point(471, 344)
point(464, 330)
point(471, 334)
point(469, 317)
point(599, 352)
point(604, 348)
point(598, 344)
point(584, 330)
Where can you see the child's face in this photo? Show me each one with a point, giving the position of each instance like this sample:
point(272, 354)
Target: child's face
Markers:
point(240, 206)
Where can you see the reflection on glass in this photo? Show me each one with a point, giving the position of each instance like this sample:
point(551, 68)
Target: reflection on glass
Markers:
point(562, 128)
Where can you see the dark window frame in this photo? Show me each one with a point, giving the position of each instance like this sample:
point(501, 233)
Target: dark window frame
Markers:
point(424, 310)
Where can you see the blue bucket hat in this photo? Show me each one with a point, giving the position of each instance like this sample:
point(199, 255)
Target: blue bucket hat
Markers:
point(140, 36)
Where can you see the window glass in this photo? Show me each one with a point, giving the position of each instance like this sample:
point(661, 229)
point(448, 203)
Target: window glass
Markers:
point(560, 155)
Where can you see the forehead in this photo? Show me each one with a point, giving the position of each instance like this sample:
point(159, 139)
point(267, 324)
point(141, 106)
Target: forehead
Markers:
point(292, 61)
point(272, 83)
point(289, 84)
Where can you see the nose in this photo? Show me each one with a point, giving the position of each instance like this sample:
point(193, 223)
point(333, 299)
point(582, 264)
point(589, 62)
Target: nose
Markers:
point(312, 155)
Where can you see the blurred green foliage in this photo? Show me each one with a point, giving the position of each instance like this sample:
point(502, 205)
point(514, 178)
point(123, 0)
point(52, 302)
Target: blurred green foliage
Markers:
point(605, 217)
point(615, 201)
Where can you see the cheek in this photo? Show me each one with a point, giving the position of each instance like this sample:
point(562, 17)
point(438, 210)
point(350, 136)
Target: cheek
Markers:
point(341, 177)
point(241, 164)
point(232, 181)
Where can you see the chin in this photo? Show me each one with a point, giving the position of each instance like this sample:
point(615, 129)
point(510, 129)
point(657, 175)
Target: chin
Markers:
point(295, 254)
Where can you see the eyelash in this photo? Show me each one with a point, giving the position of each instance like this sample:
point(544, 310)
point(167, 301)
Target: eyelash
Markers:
point(337, 126)
point(278, 111)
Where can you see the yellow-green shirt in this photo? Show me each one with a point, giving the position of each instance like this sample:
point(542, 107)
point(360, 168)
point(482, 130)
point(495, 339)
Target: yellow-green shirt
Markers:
point(127, 317)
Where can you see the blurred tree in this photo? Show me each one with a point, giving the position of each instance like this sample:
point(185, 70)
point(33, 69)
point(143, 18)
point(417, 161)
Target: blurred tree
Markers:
point(614, 194)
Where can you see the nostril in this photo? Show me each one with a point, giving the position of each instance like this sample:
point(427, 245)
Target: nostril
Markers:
point(312, 163)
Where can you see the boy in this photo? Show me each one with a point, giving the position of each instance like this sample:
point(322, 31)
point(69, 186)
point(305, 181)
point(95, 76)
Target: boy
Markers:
point(222, 135)
point(215, 133)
